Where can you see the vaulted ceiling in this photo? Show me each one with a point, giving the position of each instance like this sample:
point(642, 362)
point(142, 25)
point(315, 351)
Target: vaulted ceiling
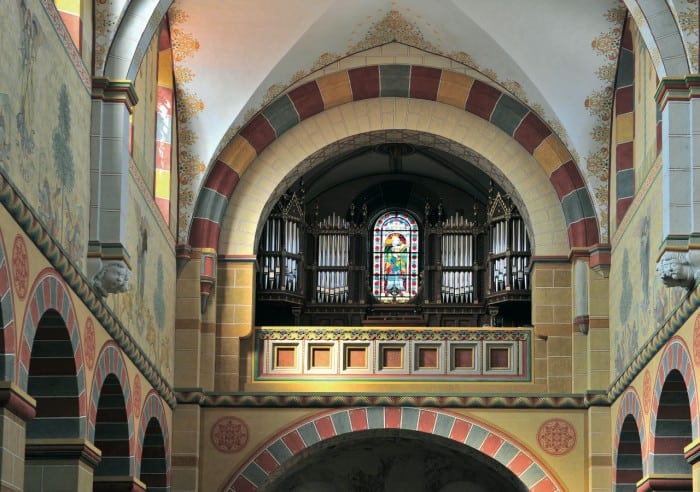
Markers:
point(233, 57)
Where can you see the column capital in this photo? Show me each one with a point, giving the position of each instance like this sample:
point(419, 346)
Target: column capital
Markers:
point(677, 89)
point(17, 401)
point(665, 481)
point(115, 91)
point(64, 449)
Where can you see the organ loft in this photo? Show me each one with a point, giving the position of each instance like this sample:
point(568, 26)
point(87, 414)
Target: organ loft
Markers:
point(391, 251)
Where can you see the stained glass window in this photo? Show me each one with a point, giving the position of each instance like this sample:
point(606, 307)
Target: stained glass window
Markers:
point(395, 250)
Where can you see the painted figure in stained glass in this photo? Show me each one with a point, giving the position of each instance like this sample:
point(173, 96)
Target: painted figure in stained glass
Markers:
point(395, 264)
point(395, 257)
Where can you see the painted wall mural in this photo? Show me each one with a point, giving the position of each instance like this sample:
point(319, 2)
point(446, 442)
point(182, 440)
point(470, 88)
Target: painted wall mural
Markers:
point(43, 150)
point(143, 308)
point(641, 311)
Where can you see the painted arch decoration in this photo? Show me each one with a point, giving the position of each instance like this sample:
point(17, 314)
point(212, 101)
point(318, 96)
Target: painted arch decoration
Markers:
point(630, 406)
point(153, 408)
point(111, 361)
point(472, 433)
point(402, 81)
point(661, 35)
point(675, 357)
point(50, 292)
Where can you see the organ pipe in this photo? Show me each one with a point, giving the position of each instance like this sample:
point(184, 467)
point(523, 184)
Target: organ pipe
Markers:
point(457, 260)
point(333, 254)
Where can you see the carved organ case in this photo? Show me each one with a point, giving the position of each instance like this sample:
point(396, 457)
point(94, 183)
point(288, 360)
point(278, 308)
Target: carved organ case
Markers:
point(509, 249)
point(388, 265)
point(280, 254)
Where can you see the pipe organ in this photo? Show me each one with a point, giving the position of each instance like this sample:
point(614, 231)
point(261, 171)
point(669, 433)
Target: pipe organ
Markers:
point(280, 256)
point(457, 248)
point(329, 271)
point(509, 248)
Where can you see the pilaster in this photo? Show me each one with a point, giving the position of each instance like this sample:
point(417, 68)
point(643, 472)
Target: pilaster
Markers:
point(679, 103)
point(110, 139)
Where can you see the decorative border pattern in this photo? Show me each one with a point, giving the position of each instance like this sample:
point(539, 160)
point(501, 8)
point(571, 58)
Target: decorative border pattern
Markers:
point(7, 319)
point(630, 405)
point(153, 408)
point(67, 42)
point(330, 400)
point(470, 432)
point(17, 206)
point(110, 361)
point(405, 81)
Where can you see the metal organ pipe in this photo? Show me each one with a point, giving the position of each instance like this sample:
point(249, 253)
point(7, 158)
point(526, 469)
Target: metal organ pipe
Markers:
point(457, 257)
point(333, 250)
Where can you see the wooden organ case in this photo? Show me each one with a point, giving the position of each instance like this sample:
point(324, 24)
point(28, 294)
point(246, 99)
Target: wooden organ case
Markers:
point(323, 271)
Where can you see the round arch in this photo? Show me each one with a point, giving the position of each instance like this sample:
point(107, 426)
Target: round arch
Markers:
point(111, 361)
point(50, 293)
point(675, 358)
point(153, 409)
point(318, 428)
point(438, 125)
point(137, 23)
point(661, 35)
point(359, 101)
point(630, 407)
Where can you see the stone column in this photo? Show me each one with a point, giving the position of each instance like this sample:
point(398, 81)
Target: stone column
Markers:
point(16, 409)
